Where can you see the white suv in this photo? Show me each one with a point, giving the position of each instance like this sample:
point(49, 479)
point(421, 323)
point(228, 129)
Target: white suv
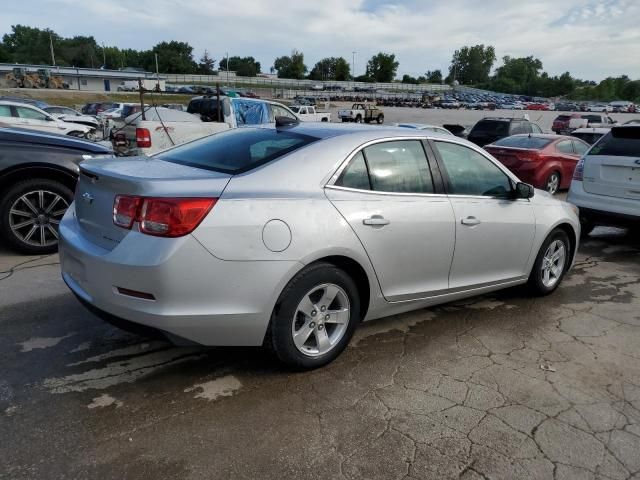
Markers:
point(606, 181)
point(14, 114)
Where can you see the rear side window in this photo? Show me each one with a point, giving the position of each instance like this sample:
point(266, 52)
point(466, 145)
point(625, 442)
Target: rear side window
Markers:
point(5, 111)
point(534, 143)
point(399, 166)
point(355, 175)
point(238, 150)
point(396, 167)
point(565, 146)
point(619, 142)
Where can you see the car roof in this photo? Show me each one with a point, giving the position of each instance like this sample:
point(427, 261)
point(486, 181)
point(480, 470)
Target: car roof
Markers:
point(323, 130)
point(22, 135)
point(17, 104)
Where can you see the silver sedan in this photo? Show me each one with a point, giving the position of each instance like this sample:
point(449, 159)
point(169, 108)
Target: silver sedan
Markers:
point(288, 237)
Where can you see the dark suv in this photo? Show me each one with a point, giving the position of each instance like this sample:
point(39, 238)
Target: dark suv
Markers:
point(38, 174)
point(488, 130)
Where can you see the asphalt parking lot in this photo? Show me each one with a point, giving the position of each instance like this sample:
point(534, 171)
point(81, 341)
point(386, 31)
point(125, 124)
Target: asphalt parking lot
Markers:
point(503, 386)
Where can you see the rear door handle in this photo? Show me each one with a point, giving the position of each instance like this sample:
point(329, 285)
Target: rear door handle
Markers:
point(470, 221)
point(376, 221)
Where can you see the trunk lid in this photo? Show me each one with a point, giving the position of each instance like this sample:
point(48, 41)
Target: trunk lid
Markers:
point(612, 166)
point(101, 180)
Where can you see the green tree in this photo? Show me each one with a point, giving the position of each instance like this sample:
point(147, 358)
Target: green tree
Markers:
point(521, 73)
point(206, 64)
point(173, 57)
point(331, 68)
point(79, 51)
point(434, 76)
point(409, 79)
point(472, 65)
point(291, 66)
point(31, 45)
point(243, 66)
point(382, 67)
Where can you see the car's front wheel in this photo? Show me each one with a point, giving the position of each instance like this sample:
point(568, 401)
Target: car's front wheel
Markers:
point(315, 317)
point(30, 213)
point(551, 263)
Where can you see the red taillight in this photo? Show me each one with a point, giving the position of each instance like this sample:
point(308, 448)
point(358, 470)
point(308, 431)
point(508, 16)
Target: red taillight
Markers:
point(125, 210)
point(143, 138)
point(579, 171)
point(161, 217)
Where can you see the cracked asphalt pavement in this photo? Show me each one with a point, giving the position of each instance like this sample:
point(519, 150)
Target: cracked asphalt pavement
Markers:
point(496, 387)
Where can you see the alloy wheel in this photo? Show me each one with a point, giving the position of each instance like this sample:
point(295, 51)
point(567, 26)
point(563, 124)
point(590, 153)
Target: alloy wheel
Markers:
point(553, 263)
point(553, 183)
point(321, 319)
point(34, 217)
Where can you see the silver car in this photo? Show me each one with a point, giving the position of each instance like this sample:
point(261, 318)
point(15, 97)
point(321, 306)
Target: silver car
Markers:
point(290, 236)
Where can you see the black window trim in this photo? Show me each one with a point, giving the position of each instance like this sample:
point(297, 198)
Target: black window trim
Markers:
point(445, 175)
point(438, 187)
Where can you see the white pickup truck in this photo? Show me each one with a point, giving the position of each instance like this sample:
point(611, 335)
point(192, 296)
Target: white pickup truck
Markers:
point(591, 120)
point(164, 128)
point(308, 113)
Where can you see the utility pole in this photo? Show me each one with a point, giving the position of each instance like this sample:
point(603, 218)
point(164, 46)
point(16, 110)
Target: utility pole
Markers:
point(141, 91)
point(53, 57)
point(353, 65)
point(227, 68)
point(157, 75)
point(104, 57)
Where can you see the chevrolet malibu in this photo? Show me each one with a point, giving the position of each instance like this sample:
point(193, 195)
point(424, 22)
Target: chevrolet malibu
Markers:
point(288, 237)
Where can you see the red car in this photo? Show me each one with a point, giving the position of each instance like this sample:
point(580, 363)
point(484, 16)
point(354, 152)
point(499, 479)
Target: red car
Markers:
point(545, 161)
point(537, 106)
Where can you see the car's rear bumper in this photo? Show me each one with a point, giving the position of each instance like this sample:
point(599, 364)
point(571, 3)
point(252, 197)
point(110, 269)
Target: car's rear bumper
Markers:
point(197, 296)
point(602, 209)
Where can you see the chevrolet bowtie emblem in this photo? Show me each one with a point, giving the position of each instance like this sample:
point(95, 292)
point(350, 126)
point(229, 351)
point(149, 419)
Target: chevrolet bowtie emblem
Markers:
point(87, 197)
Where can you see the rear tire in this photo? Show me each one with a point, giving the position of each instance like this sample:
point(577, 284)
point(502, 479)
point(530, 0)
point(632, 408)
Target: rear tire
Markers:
point(15, 211)
point(321, 290)
point(552, 184)
point(586, 227)
point(380, 119)
point(551, 263)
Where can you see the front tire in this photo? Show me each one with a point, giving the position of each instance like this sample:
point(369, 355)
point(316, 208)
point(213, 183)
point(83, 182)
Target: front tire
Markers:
point(551, 263)
point(315, 317)
point(380, 119)
point(30, 213)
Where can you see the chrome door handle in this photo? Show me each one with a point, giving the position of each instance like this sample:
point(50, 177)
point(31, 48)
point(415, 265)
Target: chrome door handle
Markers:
point(376, 221)
point(470, 221)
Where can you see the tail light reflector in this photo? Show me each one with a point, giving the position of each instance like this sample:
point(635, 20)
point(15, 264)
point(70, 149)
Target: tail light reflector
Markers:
point(125, 210)
point(579, 171)
point(143, 138)
point(161, 217)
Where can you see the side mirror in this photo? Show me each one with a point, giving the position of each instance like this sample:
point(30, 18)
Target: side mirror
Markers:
point(524, 190)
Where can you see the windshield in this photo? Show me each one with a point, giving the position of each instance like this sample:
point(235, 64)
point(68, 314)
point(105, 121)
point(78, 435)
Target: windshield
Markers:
point(619, 142)
point(295, 109)
point(534, 143)
point(238, 150)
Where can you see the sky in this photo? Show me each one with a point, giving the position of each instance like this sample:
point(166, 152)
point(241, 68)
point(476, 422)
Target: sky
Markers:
point(590, 39)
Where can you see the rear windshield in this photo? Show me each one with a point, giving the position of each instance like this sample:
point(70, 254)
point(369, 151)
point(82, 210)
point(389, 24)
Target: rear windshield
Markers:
point(491, 127)
point(563, 118)
point(534, 143)
point(238, 150)
point(619, 142)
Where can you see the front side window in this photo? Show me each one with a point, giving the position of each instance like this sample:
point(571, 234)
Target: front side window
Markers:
point(471, 173)
point(279, 111)
point(399, 166)
point(5, 111)
point(565, 146)
point(535, 128)
point(31, 114)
